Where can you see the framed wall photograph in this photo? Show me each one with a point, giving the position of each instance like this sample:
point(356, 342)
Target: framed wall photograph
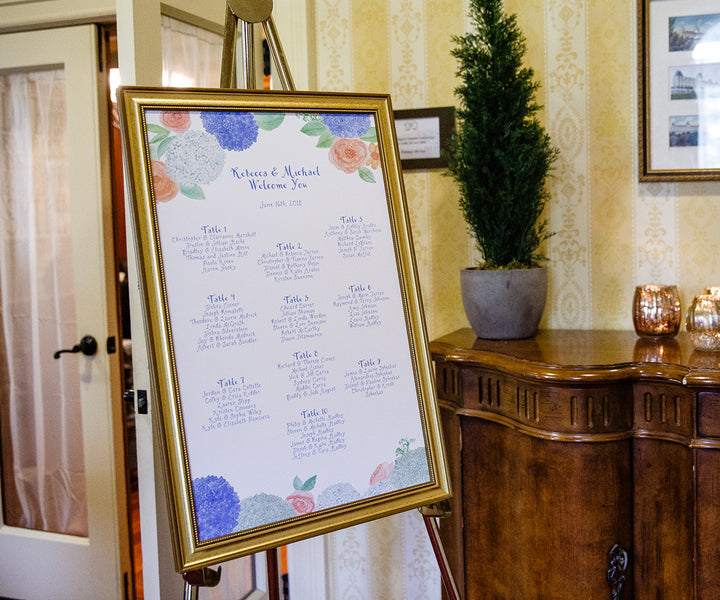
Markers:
point(679, 89)
point(288, 348)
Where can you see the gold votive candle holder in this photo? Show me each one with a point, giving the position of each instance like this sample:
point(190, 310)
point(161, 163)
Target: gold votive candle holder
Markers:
point(703, 322)
point(656, 310)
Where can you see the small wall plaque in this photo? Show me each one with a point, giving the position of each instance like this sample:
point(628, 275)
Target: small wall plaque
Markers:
point(422, 135)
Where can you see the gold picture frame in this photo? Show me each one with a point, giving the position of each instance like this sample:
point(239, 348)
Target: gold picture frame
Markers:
point(679, 90)
point(287, 342)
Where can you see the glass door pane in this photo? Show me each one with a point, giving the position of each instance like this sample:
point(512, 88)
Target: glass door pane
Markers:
point(43, 475)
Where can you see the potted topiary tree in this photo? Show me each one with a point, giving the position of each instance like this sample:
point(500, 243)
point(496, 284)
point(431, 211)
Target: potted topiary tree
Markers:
point(500, 156)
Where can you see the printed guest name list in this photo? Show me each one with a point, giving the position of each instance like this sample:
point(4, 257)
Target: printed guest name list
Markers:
point(286, 313)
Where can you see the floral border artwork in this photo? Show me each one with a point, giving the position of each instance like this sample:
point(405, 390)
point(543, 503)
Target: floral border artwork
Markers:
point(183, 161)
point(220, 511)
point(287, 344)
point(679, 90)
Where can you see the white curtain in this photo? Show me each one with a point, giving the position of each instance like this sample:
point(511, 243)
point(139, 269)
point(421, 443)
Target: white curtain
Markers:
point(191, 56)
point(42, 456)
point(389, 559)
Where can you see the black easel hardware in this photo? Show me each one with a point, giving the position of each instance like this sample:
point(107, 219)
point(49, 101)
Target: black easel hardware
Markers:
point(194, 580)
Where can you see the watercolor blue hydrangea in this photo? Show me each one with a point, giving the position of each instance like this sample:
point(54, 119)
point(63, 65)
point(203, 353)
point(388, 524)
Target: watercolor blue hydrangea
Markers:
point(347, 125)
point(234, 130)
point(194, 158)
point(217, 506)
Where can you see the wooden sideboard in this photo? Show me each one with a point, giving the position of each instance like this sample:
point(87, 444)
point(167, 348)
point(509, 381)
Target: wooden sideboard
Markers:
point(574, 450)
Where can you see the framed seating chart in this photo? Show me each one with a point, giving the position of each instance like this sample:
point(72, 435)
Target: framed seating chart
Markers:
point(285, 326)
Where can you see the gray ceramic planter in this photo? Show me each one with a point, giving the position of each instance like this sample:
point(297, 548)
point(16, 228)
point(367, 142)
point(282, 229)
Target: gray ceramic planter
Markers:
point(506, 304)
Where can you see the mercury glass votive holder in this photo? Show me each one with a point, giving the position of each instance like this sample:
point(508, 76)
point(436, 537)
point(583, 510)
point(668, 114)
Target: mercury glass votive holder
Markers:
point(656, 310)
point(703, 322)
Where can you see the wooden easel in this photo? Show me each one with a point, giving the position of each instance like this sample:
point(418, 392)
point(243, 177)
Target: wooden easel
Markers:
point(260, 11)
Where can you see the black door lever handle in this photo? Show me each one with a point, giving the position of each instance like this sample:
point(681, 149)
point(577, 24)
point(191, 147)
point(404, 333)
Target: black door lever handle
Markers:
point(87, 345)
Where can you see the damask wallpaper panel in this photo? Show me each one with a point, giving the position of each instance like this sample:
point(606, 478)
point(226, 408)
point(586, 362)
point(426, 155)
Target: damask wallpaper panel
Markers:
point(443, 18)
point(334, 45)
point(611, 164)
point(698, 217)
point(371, 51)
point(449, 253)
point(655, 236)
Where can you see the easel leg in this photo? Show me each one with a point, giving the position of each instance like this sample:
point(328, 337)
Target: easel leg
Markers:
point(445, 573)
point(191, 592)
point(272, 574)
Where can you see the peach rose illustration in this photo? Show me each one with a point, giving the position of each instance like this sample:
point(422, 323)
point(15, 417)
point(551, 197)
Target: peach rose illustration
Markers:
point(382, 472)
point(165, 188)
point(176, 120)
point(348, 155)
point(302, 502)
point(373, 160)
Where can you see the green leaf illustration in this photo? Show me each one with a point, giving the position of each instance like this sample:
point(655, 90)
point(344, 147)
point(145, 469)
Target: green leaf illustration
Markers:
point(269, 121)
point(157, 129)
point(403, 446)
point(162, 146)
point(304, 486)
point(370, 135)
point(366, 175)
point(309, 484)
point(192, 191)
point(160, 137)
point(314, 128)
point(326, 140)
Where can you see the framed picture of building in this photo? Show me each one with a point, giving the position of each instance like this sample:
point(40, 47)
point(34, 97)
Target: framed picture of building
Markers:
point(679, 89)
point(286, 334)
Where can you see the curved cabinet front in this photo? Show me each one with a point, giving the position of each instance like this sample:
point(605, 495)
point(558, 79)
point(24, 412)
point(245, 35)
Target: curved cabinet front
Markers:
point(578, 470)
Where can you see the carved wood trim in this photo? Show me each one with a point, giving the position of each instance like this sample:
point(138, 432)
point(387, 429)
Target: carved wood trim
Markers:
point(619, 405)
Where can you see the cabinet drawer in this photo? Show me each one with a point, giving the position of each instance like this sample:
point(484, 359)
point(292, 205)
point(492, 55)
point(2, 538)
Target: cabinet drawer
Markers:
point(708, 414)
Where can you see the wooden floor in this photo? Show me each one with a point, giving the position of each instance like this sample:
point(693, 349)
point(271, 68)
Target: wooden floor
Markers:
point(134, 508)
point(131, 474)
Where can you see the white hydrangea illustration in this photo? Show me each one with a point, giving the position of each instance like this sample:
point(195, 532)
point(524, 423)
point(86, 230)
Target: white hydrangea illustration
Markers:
point(335, 495)
point(194, 158)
